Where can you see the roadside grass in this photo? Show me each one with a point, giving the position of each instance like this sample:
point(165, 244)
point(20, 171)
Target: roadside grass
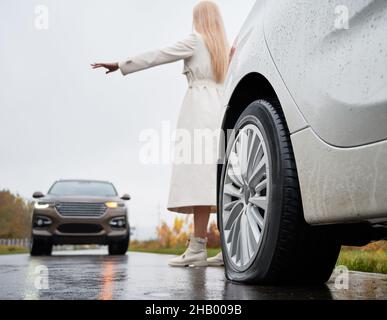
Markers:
point(355, 259)
point(12, 250)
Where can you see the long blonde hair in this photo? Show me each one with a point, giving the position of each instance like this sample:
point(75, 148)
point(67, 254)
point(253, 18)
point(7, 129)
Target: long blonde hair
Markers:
point(208, 22)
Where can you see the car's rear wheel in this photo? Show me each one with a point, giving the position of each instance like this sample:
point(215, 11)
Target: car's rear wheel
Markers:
point(265, 238)
point(40, 247)
point(117, 248)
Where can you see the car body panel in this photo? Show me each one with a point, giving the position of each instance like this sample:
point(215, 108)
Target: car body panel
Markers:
point(337, 76)
point(252, 56)
point(336, 114)
point(341, 185)
point(58, 219)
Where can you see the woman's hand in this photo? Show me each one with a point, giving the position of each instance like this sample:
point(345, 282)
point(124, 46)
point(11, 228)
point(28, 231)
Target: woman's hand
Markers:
point(111, 67)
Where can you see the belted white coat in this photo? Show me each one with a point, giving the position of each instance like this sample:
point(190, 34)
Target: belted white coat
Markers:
point(193, 183)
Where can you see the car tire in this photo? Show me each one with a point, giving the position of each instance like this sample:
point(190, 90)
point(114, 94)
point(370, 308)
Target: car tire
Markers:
point(275, 245)
point(41, 247)
point(119, 248)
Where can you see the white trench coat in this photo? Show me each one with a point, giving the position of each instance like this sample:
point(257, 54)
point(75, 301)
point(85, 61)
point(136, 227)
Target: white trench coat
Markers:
point(192, 184)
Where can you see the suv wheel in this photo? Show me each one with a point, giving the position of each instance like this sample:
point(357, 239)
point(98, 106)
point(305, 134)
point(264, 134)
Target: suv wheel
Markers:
point(40, 247)
point(119, 247)
point(265, 238)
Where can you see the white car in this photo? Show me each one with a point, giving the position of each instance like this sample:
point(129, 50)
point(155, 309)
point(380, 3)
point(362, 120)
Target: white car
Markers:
point(306, 170)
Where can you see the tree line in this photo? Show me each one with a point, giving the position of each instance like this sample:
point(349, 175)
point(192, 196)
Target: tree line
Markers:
point(15, 215)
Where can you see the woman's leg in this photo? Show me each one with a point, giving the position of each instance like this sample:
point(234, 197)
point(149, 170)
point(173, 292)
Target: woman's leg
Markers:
point(196, 253)
point(201, 219)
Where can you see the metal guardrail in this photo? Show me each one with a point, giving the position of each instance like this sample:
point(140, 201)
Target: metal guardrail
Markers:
point(25, 243)
point(22, 243)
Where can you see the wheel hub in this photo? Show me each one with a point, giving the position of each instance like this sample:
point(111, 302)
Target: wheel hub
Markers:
point(247, 194)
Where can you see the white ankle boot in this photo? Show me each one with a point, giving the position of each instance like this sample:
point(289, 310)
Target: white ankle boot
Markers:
point(216, 261)
point(194, 256)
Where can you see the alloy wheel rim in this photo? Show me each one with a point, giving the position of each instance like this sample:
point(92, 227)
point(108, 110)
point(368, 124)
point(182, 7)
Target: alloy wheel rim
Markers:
point(246, 196)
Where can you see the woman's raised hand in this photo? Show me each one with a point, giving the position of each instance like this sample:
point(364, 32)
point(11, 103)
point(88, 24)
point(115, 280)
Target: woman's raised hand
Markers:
point(111, 67)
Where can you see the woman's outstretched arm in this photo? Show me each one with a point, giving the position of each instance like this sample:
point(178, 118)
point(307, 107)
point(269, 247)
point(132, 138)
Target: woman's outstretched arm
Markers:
point(181, 50)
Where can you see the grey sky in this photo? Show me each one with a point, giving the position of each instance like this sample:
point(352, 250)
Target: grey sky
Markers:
point(60, 119)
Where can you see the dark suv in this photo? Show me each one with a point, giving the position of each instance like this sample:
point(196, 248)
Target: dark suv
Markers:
point(80, 212)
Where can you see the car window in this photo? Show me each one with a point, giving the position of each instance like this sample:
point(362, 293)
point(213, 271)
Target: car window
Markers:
point(83, 188)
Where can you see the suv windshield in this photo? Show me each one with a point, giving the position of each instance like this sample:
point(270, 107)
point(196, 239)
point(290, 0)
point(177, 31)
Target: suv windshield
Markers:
point(83, 188)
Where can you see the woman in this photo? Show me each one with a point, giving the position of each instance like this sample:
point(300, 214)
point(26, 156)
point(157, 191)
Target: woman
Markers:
point(205, 55)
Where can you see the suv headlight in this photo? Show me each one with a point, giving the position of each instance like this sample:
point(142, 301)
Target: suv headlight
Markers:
point(43, 205)
point(114, 204)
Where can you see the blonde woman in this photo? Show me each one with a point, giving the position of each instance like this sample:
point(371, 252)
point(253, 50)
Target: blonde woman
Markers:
point(193, 186)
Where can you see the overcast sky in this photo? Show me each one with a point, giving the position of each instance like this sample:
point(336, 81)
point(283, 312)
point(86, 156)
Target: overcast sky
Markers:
point(59, 119)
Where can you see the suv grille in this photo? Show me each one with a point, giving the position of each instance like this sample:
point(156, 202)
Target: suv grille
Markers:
point(78, 209)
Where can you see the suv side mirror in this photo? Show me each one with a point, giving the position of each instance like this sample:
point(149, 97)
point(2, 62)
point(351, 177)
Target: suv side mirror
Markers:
point(126, 197)
point(38, 195)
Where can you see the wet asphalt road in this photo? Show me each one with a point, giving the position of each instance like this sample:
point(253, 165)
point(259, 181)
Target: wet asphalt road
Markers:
point(95, 275)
